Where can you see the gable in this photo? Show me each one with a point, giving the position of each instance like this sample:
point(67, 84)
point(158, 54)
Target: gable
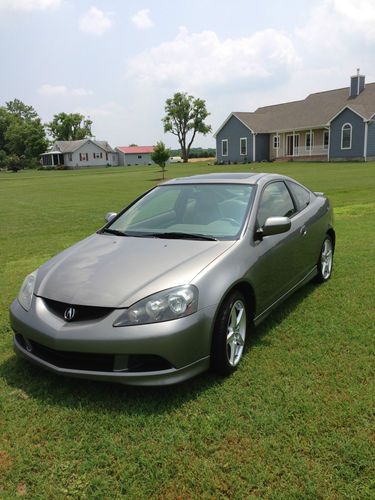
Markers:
point(233, 126)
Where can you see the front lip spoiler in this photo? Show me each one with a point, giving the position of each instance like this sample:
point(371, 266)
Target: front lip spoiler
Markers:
point(154, 378)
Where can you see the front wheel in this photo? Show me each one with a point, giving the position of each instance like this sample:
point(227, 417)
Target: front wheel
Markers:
point(230, 334)
point(325, 262)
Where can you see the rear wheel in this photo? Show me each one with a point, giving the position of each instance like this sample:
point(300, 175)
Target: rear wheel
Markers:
point(230, 334)
point(325, 262)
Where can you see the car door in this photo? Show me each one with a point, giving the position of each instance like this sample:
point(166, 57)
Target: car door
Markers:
point(278, 266)
point(307, 218)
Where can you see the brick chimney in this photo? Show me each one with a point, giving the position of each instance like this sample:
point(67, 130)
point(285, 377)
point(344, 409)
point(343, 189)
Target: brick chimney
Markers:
point(357, 84)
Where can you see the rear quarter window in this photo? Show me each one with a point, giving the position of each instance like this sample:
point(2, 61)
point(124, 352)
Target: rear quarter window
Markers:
point(301, 195)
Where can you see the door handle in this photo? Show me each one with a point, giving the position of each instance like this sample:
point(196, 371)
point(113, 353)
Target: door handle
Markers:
point(303, 231)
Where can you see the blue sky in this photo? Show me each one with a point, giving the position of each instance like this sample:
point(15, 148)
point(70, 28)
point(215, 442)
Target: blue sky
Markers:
point(118, 61)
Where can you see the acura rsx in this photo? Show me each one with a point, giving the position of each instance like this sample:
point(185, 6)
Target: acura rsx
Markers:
point(171, 285)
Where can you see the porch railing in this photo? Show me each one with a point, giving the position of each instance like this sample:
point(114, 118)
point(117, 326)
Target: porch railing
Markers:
point(303, 151)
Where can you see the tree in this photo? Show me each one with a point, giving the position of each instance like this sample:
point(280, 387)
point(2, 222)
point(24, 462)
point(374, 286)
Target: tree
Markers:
point(133, 145)
point(22, 111)
point(22, 134)
point(5, 119)
point(185, 115)
point(160, 156)
point(26, 138)
point(69, 127)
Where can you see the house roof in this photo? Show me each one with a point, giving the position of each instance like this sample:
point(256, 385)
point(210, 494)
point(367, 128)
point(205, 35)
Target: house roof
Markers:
point(317, 110)
point(71, 146)
point(131, 150)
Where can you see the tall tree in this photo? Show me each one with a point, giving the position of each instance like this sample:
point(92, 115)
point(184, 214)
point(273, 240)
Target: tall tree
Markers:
point(5, 119)
point(21, 110)
point(69, 127)
point(184, 118)
point(26, 138)
point(160, 156)
point(21, 131)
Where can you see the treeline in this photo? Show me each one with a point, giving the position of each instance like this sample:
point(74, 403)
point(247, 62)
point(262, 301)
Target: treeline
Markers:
point(196, 152)
point(23, 136)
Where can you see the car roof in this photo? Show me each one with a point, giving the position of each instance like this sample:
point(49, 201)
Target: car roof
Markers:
point(221, 177)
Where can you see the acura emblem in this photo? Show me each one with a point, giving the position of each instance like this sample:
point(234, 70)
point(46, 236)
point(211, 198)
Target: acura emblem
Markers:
point(69, 313)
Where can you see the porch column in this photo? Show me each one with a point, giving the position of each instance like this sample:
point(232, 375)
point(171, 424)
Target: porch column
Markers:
point(294, 140)
point(53, 162)
point(278, 144)
point(311, 143)
point(254, 155)
point(365, 142)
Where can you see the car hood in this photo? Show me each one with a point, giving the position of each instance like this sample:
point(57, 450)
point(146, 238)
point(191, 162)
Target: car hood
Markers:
point(116, 271)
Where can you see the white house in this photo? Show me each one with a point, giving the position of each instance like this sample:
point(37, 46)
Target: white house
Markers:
point(83, 153)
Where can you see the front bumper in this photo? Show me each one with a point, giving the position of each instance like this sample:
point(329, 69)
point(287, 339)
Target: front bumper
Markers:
point(44, 339)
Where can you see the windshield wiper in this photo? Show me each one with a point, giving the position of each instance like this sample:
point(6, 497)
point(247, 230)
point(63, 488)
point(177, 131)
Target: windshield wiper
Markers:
point(183, 236)
point(112, 231)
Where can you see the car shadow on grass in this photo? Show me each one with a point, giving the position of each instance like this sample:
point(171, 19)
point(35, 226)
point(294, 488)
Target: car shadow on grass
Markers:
point(32, 382)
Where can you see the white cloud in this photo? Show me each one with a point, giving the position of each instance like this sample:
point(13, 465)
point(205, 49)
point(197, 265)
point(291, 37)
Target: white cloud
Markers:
point(339, 25)
point(95, 22)
point(29, 5)
point(48, 90)
point(359, 15)
point(102, 111)
point(142, 19)
point(204, 61)
point(81, 92)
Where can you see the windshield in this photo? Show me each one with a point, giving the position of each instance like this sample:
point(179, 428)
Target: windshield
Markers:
point(210, 211)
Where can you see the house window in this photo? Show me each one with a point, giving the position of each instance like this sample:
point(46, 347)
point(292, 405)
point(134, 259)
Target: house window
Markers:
point(346, 136)
point(325, 139)
point(83, 156)
point(70, 157)
point(276, 142)
point(224, 147)
point(139, 157)
point(97, 155)
point(309, 140)
point(243, 146)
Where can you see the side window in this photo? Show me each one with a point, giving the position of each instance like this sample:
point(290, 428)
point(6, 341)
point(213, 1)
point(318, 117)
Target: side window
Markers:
point(301, 195)
point(275, 202)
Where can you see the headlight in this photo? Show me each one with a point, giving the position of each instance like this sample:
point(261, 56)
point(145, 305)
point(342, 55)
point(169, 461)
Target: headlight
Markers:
point(26, 292)
point(162, 306)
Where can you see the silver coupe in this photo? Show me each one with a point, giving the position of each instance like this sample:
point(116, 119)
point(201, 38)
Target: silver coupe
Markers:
point(171, 285)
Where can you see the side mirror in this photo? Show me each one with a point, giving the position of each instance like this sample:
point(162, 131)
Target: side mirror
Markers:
point(274, 225)
point(110, 216)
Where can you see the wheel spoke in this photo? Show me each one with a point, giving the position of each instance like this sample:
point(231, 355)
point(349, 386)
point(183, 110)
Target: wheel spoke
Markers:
point(230, 336)
point(239, 317)
point(240, 340)
point(233, 318)
point(232, 355)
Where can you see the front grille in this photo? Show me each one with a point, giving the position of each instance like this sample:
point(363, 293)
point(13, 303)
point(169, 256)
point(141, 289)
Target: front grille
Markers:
point(82, 313)
point(69, 359)
point(92, 361)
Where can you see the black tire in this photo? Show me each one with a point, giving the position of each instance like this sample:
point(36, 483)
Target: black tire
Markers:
point(325, 262)
point(227, 349)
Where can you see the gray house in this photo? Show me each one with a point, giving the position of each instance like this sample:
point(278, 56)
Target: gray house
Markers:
point(83, 153)
point(333, 125)
point(135, 155)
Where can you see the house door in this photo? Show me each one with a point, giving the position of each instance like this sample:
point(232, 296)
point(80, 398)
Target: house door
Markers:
point(290, 150)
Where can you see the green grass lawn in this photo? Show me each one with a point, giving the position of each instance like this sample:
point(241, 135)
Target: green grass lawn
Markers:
point(295, 421)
